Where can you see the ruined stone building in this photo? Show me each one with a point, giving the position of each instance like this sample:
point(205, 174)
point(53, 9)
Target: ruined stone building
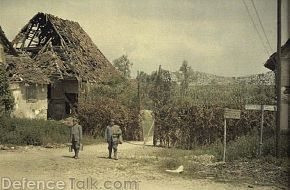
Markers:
point(51, 63)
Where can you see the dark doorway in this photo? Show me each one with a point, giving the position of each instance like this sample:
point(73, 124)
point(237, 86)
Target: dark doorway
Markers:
point(71, 100)
point(62, 98)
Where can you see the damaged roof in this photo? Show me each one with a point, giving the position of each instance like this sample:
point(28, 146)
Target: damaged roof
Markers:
point(61, 49)
point(272, 61)
point(20, 67)
point(24, 69)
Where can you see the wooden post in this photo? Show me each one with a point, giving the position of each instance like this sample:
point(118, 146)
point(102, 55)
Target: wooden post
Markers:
point(229, 114)
point(278, 79)
point(225, 140)
point(261, 130)
point(139, 93)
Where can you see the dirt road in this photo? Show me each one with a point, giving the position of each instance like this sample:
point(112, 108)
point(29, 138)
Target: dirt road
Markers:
point(93, 167)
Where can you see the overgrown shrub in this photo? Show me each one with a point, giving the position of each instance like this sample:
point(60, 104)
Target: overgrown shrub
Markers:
point(243, 147)
point(186, 126)
point(246, 146)
point(95, 116)
point(32, 132)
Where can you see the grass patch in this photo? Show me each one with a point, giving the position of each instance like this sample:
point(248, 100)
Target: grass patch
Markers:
point(243, 148)
point(87, 140)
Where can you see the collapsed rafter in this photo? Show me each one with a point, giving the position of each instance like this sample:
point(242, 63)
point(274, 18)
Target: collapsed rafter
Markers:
point(62, 49)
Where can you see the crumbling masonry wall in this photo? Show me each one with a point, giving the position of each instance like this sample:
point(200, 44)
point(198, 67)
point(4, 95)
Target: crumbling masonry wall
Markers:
point(29, 108)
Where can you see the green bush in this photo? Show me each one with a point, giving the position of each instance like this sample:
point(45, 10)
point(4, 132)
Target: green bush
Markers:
point(113, 99)
point(32, 132)
point(95, 116)
point(186, 126)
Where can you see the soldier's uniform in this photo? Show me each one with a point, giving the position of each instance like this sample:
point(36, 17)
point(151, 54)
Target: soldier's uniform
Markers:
point(76, 138)
point(113, 135)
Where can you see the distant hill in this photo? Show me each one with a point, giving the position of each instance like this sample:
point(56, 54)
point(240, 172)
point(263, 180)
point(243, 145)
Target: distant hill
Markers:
point(200, 78)
point(258, 79)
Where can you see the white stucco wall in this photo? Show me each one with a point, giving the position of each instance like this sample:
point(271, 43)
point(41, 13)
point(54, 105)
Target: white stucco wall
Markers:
point(34, 109)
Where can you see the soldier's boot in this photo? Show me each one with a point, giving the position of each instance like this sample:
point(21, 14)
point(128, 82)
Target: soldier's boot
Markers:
point(110, 154)
point(115, 155)
point(76, 154)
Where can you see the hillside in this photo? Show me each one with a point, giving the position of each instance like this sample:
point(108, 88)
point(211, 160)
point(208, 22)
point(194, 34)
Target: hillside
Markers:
point(258, 79)
point(200, 78)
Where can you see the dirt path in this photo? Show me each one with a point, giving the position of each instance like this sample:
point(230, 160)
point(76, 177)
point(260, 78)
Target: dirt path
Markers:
point(57, 164)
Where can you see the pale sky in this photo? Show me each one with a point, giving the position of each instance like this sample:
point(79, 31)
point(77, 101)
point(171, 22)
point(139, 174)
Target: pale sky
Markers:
point(214, 36)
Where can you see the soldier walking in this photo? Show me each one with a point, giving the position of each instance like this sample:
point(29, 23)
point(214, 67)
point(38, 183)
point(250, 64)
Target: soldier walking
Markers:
point(76, 137)
point(113, 135)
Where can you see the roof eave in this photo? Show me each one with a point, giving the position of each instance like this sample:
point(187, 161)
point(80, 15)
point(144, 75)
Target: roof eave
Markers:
point(271, 63)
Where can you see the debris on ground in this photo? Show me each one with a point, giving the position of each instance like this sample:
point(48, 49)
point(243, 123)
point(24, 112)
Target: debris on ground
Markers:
point(204, 159)
point(3, 147)
point(256, 171)
point(180, 169)
point(49, 146)
point(55, 145)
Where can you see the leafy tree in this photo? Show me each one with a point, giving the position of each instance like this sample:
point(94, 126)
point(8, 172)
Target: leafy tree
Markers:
point(123, 64)
point(6, 98)
point(161, 96)
point(146, 82)
point(95, 115)
point(185, 69)
point(117, 88)
point(161, 91)
point(115, 98)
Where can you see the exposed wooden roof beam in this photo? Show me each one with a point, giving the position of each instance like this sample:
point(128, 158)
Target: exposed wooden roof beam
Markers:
point(7, 42)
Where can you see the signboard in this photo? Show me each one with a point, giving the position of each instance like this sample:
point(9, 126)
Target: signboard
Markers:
point(232, 114)
point(270, 107)
point(259, 107)
point(229, 114)
point(253, 107)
